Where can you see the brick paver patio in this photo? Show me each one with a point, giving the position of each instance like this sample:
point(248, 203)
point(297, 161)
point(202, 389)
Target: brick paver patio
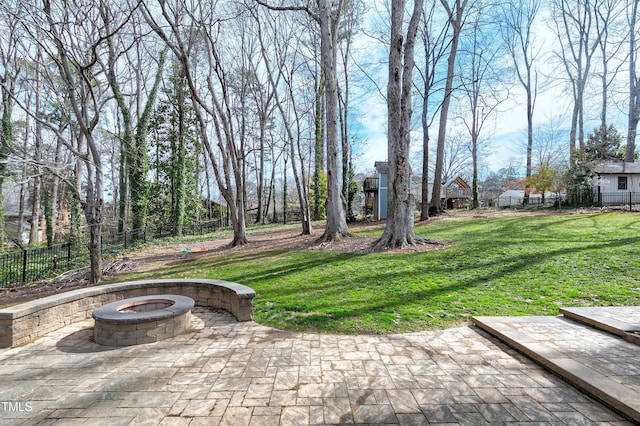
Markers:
point(241, 373)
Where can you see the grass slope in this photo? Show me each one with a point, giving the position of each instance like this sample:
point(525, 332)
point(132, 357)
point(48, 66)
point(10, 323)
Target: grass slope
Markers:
point(529, 265)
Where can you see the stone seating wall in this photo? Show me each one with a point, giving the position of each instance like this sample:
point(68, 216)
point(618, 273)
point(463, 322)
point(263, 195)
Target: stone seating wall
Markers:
point(24, 323)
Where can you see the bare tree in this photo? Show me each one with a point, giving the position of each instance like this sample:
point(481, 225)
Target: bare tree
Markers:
point(36, 193)
point(350, 25)
point(401, 204)
point(327, 15)
point(547, 147)
point(135, 120)
point(482, 83)
point(634, 81)
point(456, 14)
point(263, 94)
point(211, 102)
point(519, 17)
point(456, 158)
point(291, 116)
point(608, 25)
point(434, 47)
point(74, 50)
point(9, 72)
point(574, 22)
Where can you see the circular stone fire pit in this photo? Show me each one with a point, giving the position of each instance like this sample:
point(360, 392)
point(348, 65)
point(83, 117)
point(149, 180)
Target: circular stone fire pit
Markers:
point(141, 320)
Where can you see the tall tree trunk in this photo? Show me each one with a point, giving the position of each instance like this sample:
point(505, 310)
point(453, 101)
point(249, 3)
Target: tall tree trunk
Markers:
point(123, 187)
point(424, 114)
point(178, 169)
point(318, 201)
point(433, 53)
point(518, 21)
point(424, 208)
point(75, 234)
point(474, 153)
point(529, 166)
point(302, 188)
point(24, 186)
point(55, 184)
point(260, 171)
point(285, 193)
point(272, 190)
point(5, 143)
point(6, 139)
point(272, 187)
point(139, 184)
point(336, 226)
point(577, 51)
point(48, 214)
point(10, 60)
point(343, 110)
point(37, 154)
point(455, 17)
point(401, 204)
point(634, 87)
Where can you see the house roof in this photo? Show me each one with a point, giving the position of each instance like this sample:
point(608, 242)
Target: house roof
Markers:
point(617, 168)
point(457, 180)
point(512, 193)
point(381, 166)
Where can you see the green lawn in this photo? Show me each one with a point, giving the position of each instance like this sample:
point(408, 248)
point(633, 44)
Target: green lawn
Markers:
point(529, 265)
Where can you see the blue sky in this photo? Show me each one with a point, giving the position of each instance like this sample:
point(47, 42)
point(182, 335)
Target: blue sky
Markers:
point(506, 133)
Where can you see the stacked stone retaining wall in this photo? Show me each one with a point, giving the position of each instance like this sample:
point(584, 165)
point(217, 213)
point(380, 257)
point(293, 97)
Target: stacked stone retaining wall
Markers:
point(23, 323)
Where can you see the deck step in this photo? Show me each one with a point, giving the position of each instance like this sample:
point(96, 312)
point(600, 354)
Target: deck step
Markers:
point(594, 361)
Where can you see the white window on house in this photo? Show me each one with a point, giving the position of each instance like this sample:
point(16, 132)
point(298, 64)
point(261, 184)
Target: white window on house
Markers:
point(622, 182)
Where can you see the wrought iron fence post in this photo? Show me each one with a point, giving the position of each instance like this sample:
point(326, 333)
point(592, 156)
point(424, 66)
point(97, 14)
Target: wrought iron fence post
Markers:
point(24, 265)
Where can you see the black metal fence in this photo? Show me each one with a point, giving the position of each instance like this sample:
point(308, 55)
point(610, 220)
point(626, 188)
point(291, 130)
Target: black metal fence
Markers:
point(34, 263)
point(114, 242)
point(623, 200)
point(27, 265)
point(626, 200)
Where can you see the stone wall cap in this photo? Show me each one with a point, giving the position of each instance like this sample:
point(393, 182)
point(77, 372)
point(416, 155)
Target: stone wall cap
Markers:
point(241, 291)
point(27, 308)
point(111, 312)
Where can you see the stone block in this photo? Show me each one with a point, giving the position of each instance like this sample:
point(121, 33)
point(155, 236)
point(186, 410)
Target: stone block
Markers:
point(164, 336)
point(146, 325)
point(143, 340)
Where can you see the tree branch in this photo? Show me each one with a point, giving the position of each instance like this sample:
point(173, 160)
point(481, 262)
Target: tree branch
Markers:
point(290, 8)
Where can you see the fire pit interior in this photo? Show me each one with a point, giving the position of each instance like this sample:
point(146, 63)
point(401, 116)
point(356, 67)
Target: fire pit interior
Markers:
point(145, 306)
point(141, 320)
